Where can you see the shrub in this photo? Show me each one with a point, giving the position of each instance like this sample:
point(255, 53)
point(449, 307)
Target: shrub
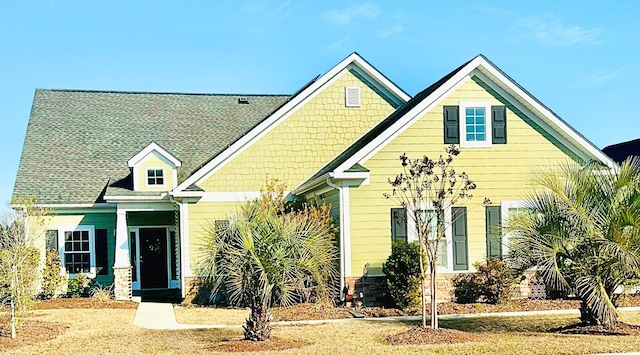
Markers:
point(403, 274)
point(467, 288)
point(80, 286)
point(52, 279)
point(494, 281)
point(102, 293)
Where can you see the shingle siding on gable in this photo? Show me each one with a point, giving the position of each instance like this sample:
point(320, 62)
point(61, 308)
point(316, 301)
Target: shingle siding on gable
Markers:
point(305, 141)
point(78, 141)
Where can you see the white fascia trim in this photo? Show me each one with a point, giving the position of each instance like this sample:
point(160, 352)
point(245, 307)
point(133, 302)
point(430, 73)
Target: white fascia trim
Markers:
point(555, 120)
point(285, 111)
point(318, 192)
point(312, 184)
point(405, 122)
point(380, 81)
point(134, 206)
point(147, 150)
point(136, 198)
point(71, 205)
point(350, 175)
point(196, 194)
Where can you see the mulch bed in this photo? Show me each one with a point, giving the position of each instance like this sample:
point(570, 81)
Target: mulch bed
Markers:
point(420, 335)
point(273, 344)
point(30, 332)
point(84, 303)
point(323, 311)
point(618, 329)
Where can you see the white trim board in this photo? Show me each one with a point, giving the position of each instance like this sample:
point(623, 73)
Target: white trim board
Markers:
point(352, 61)
point(140, 157)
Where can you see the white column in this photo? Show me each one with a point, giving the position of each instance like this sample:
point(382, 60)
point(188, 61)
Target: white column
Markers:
point(122, 240)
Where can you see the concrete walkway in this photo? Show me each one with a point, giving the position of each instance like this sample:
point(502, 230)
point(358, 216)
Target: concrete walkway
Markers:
point(153, 315)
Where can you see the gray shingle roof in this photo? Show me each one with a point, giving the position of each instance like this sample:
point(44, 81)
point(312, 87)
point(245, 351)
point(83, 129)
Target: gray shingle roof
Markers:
point(79, 141)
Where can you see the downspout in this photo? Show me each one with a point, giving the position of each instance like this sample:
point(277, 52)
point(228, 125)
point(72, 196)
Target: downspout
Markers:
point(342, 256)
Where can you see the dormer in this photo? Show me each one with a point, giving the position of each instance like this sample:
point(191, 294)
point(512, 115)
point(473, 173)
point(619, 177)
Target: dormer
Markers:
point(154, 169)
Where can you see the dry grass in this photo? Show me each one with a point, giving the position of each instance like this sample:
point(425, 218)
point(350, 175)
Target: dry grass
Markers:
point(208, 315)
point(86, 331)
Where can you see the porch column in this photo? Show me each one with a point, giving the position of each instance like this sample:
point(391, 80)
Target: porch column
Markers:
point(122, 265)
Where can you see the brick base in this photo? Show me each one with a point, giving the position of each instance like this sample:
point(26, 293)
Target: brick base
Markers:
point(122, 282)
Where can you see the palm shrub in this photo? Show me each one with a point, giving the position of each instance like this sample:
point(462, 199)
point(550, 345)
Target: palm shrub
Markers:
point(267, 256)
point(402, 269)
point(583, 234)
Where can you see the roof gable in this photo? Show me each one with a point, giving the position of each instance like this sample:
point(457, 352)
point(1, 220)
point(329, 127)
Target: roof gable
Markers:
point(410, 112)
point(153, 147)
point(353, 62)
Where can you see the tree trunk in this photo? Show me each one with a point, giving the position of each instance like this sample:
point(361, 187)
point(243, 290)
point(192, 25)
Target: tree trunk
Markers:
point(258, 325)
point(423, 282)
point(13, 312)
point(434, 304)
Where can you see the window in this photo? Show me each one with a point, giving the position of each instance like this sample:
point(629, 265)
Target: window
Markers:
point(77, 253)
point(155, 177)
point(475, 119)
point(452, 251)
point(510, 209)
point(475, 124)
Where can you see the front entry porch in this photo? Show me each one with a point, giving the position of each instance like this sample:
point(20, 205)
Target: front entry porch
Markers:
point(147, 250)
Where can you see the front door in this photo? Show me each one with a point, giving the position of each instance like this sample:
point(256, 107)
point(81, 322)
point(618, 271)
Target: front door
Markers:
point(153, 258)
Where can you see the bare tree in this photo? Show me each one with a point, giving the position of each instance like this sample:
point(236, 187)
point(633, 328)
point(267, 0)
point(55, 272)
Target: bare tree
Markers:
point(19, 260)
point(425, 188)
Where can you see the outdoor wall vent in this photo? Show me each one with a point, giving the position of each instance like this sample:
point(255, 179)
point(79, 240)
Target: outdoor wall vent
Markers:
point(243, 100)
point(352, 96)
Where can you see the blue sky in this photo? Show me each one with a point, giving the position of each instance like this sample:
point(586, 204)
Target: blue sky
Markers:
point(580, 59)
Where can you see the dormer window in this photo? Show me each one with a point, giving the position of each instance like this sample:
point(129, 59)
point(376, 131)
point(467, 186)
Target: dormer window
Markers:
point(155, 177)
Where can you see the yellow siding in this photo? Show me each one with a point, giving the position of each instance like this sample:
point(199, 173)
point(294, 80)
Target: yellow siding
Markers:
point(154, 161)
point(305, 141)
point(201, 216)
point(501, 172)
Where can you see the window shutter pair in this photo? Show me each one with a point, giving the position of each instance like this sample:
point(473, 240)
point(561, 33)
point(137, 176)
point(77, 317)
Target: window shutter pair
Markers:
point(452, 125)
point(494, 232)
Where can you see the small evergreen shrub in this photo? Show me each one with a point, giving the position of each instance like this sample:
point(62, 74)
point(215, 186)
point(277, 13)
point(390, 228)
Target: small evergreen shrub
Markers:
point(402, 269)
point(80, 286)
point(494, 282)
point(53, 280)
point(467, 288)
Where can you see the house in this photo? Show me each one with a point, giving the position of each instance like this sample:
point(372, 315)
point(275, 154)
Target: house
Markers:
point(619, 152)
point(133, 179)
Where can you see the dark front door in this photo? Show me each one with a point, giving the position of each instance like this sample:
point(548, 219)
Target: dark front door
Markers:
point(153, 258)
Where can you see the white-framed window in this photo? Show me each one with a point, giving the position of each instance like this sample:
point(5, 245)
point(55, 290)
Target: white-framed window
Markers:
point(475, 124)
point(155, 177)
point(507, 210)
point(445, 248)
point(76, 246)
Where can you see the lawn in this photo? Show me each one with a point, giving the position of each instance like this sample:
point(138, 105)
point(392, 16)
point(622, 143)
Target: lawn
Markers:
point(106, 330)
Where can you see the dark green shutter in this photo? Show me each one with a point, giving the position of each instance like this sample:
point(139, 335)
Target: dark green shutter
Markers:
point(459, 231)
point(102, 261)
point(494, 232)
point(451, 125)
point(398, 224)
point(499, 124)
point(52, 239)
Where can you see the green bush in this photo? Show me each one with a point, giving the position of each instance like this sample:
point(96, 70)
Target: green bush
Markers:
point(493, 281)
point(403, 274)
point(52, 280)
point(467, 288)
point(80, 286)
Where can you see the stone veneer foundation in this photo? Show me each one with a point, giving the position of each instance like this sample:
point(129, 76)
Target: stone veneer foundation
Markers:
point(122, 282)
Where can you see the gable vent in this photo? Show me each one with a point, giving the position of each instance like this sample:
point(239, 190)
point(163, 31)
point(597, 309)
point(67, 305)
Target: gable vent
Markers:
point(243, 100)
point(352, 96)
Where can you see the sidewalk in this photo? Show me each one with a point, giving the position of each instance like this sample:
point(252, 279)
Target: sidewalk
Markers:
point(153, 315)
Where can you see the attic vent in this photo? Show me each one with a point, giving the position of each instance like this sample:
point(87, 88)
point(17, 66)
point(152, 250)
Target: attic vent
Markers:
point(352, 96)
point(243, 100)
